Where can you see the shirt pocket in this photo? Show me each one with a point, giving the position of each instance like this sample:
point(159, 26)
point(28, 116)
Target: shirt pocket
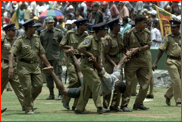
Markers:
point(55, 44)
point(95, 51)
point(114, 44)
point(26, 49)
point(7, 47)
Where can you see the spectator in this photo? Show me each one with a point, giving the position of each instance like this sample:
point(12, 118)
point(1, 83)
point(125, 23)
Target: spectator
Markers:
point(89, 14)
point(36, 12)
point(73, 24)
point(126, 25)
point(173, 6)
point(106, 11)
point(82, 12)
point(27, 12)
point(123, 11)
point(68, 24)
point(153, 16)
point(35, 19)
point(129, 6)
point(113, 9)
point(63, 8)
point(82, 4)
point(31, 15)
point(156, 34)
point(139, 7)
point(21, 30)
point(77, 14)
point(89, 3)
point(33, 5)
point(93, 17)
point(98, 16)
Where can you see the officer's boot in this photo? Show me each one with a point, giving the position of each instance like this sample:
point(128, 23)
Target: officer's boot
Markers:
point(51, 96)
point(59, 96)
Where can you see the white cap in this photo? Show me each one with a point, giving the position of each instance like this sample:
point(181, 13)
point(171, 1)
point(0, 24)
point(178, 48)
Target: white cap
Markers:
point(153, 12)
point(179, 18)
point(173, 16)
point(73, 21)
point(70, 7)
point(68, 22)
point(144, 10)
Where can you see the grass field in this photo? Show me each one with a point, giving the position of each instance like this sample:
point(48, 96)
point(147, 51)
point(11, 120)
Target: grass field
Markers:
point(53, 110)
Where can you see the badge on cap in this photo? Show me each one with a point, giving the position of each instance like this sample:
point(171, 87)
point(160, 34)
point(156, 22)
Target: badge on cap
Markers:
point(106, 43)
point(172, 23)
point(87, 41)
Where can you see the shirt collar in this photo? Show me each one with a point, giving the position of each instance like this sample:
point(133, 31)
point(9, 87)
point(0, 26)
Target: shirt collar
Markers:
point(112, 34)
point(137, 31)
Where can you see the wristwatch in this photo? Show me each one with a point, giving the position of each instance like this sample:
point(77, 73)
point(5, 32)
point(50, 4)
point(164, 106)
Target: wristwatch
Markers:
point(139, 49)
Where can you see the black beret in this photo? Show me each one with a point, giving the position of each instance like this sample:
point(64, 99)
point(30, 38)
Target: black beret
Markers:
point(29, 23)
point(174, 23)
point(81, 21)
point(99, 26)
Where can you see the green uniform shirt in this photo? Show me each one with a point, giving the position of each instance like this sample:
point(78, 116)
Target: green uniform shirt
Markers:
point(113, 44)
point(92, 44)
point(50, 40)
point(171, 47)
point(131, 41)
point(73, 39)
point(27, 49)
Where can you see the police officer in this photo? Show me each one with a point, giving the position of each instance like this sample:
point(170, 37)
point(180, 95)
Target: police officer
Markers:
point(137, 44)
point(8, 41)
point(29, 51)
point(171, 45)
point(71, 41)
point(90, 29)
point(91, 47)
point(50, 39)
point(112, 46)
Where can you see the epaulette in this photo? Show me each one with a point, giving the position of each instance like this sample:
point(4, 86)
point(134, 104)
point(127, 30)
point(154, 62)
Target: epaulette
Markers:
point(169, 34)
point(89, 37)
point(86, 32)
point(57, 29)
point(70, 31)
point(128, 31)
point(35, 35)
point(42, 30)
point(147, 30)
point(108, 36)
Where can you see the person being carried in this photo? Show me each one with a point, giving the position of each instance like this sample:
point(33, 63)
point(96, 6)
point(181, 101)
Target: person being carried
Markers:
point(110, 82)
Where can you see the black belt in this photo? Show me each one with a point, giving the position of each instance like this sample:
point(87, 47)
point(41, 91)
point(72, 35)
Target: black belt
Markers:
point(113, 55)
point(5, 61)
point(30, 62)
point(85, 57)
point(175, 58)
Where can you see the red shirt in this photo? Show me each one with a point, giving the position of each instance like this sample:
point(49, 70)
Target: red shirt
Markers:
point(114, 10)
point(89, 3)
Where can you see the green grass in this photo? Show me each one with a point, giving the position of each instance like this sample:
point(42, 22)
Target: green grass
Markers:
point(51, 110)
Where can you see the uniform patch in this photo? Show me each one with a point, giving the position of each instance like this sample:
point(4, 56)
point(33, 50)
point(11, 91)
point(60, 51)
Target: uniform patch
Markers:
point(87, 41)
point(163, 40)
point(106, 43)
point(37, 43)
point(149, 38)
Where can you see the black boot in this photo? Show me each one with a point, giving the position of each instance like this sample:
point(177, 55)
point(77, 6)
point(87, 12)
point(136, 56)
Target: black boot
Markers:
point(51, 96)
point(59, 96)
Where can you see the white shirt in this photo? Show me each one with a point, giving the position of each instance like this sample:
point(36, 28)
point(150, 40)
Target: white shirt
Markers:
point(156, 35)
point(139, 6)
point(108, 81)
point(33, 5)
point(36, 12)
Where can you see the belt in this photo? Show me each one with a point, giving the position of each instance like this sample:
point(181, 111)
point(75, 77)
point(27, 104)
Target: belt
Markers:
point(77, 56)
point(5, 61)
point(175, 58)
point(85, 57)
point(30, 62)
point(113, 55)
point(138, 55)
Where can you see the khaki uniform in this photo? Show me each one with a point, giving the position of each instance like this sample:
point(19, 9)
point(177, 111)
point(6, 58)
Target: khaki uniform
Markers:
point(139, 65)
point(173, 66)
point(91, 80)
point(50, 40)
point(112, 45)
point(15, 83)
point(73, 39)
point(28, 51)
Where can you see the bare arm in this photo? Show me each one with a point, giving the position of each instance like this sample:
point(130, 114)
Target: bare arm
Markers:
point(109, 59)
point(154, 66)
point(156, 41)
point(44, 59)
point(87, 53)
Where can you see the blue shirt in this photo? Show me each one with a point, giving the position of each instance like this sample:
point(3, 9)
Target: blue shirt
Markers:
point(21, 17)
point(126, 27)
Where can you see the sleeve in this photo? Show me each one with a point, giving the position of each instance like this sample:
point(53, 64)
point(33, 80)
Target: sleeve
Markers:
point(60, 36)
point(41, 39)
point(64, 40)
point(85, 44)
point(149, 42)
point(97, 17)
point(42, 51)
point(106, 45)
point(116, 12)
point(126, 12)
point(163, 46)
point(16, 48)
